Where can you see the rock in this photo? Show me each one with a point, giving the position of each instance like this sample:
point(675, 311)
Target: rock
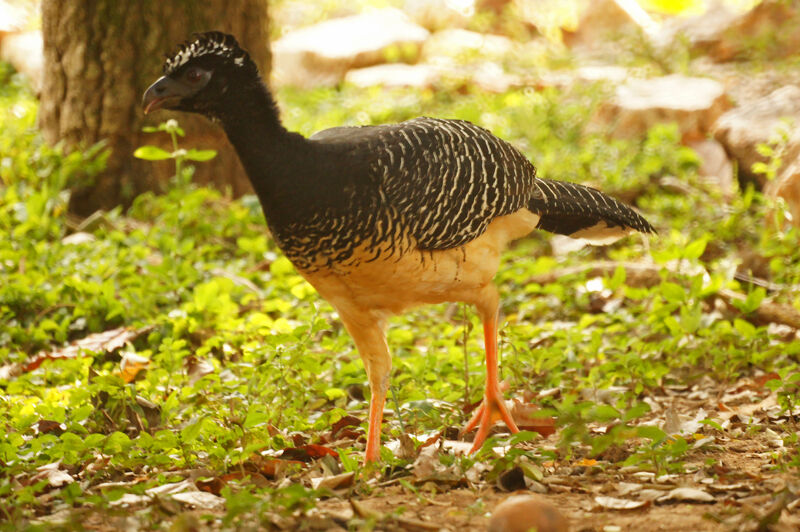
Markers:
point(702, 31)
point(321, 54)
point(787, 187)
point(477, 57)
point(491, 77)
point(609, 73)
point(462, 45)
point(715, 165)
point(742, 129)
point(724, 34)
point(694, 103)
point(394, 75)
point(600, 18)
point(520, 513)
point(438, 14)
point(12, 18)
point(25, 52)
point(567, 78)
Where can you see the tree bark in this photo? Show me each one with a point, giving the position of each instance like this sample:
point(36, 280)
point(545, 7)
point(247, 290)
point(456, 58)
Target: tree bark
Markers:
point(100, 56)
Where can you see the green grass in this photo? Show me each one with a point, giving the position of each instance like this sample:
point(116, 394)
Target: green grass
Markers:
point(210, 287)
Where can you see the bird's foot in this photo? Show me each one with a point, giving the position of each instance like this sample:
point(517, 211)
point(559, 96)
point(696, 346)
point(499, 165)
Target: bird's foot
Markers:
point(492, 408)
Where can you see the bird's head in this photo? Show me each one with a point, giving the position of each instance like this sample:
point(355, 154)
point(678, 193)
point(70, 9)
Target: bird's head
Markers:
point(200, 76)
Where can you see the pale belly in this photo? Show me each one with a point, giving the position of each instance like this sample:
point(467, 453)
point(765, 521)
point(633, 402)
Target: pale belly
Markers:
point(392, 284)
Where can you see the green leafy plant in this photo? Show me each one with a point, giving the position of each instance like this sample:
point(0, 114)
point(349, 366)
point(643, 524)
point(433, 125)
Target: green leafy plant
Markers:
point(179, 155)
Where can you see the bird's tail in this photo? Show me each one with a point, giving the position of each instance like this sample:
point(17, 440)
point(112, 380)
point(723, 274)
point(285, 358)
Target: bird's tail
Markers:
point(583, 212)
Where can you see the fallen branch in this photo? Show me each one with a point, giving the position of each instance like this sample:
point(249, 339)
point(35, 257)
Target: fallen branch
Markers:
point(767, 311)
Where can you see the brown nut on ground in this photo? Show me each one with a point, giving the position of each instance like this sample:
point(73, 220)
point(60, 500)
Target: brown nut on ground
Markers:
point(520, 513)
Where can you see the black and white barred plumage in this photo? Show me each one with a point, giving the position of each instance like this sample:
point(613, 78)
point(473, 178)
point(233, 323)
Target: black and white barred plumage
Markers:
point(352, 194)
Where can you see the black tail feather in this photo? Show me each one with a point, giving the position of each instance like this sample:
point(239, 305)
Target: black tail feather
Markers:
point(584, 212)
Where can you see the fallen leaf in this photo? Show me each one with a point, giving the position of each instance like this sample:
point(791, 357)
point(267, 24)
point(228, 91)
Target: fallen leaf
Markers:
point(613, 503)
point(346, 421)
point(308, 452)
point(728, 487)
point(199, 499)
point(626, 488)
point(130, 499)
point(106, 341)
point(130, 365)
point(672, 423)
point(333, 482)
point(274, 467)
point(430, 441)
point(761, 380)
point(55, 477)
point(457, 446)
point(197, 368)
point(686, 495)
point(212, 485)
point(427, 466)
point(525, 417)
point(47, 426)
point(173, 487)
point(8, 371)
point(80, 237)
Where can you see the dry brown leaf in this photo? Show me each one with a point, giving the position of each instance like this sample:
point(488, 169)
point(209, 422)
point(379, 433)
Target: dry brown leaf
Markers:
point(525, 417)
point(197, 368)
point(130, 365)
point(55, 477)
point(626, 488)
point(333, 482)
point(346, 421)
point(47, 426)
point(212, 485)
point(106, 341)
point(686, 495)
point(174, 487)
point(199, 499)
point(308, 452)
point(613, 503)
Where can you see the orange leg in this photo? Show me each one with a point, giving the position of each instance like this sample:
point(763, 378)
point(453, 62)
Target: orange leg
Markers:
point(376, 404)
point(493, 407)
point(368, 334)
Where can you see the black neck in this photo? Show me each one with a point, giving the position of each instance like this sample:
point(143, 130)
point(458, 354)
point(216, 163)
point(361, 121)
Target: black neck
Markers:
point(269, 153)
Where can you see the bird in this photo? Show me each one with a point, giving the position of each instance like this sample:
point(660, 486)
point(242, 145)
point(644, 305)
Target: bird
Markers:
point(383, 218)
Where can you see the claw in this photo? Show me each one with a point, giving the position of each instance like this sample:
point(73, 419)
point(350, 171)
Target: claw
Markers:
point(493, 407)
point(486, 416)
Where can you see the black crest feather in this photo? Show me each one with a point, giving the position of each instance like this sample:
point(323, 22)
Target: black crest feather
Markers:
point(210, 43)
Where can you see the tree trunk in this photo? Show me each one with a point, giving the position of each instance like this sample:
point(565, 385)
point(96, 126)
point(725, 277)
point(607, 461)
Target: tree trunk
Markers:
point(100, 56)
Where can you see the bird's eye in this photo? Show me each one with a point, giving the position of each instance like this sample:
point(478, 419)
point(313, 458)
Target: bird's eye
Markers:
point(193, 75)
